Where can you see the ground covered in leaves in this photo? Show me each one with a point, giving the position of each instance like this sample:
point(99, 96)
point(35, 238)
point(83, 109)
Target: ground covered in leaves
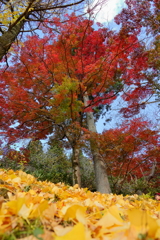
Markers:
point(31, 210)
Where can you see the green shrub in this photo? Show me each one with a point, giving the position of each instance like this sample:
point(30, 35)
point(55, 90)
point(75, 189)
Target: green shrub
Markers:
point(52, 165)
point(7, 163)
point(136, 186)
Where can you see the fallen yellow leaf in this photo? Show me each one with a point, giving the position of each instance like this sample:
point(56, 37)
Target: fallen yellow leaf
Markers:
point(80, 215)
point(71, 212)
point(117, 213)
point(77, 232)
point(108, 220)
point(157, 235)
point(61, 231)
point(38, 209)
point(25, 211)
point(15, 205)
point(142, 222)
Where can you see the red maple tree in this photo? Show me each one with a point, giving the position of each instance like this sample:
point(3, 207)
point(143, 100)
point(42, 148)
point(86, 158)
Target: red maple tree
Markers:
point(50, 77)
point(60, 69)
point(141, 18)
point(131, 151)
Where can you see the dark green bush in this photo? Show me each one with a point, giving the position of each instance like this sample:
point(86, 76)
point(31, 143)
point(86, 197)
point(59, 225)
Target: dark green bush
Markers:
point(136, 186)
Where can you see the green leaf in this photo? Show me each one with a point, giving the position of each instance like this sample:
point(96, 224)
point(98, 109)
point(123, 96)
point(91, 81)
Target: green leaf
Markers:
point(38, 231)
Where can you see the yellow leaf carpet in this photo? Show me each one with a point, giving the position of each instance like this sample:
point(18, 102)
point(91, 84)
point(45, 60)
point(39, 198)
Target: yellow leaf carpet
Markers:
point(72, 213)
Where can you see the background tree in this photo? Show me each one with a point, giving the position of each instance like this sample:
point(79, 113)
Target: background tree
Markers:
point(131, 152)
point(14, 159)
point(142, 19)
point(51, 164)
point(87, 172)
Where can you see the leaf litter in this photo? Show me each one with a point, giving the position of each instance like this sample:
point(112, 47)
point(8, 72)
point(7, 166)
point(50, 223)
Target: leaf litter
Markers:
point(31, 210)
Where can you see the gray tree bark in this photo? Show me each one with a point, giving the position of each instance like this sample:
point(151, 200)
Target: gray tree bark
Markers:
point(102, 183)
point(9, 37)
point(76, 166)
point(76, 177)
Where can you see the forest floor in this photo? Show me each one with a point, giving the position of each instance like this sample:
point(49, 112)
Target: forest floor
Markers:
point(31, 210)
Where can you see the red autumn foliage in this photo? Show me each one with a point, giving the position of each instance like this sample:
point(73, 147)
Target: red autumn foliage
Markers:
point(131, 150)
point(141, 18)
point(140, 14)
point(97, 62)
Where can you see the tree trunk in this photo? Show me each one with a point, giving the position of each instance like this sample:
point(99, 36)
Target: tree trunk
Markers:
point(151, 175)
point(102, 183)
point(76, 166)
point(8, 38)
point(76, 177)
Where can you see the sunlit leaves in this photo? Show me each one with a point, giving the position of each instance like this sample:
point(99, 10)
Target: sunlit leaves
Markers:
point(12, 10)
point(65, 103)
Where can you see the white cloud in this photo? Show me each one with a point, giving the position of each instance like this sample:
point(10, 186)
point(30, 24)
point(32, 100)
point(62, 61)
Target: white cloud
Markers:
point(106, 11)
